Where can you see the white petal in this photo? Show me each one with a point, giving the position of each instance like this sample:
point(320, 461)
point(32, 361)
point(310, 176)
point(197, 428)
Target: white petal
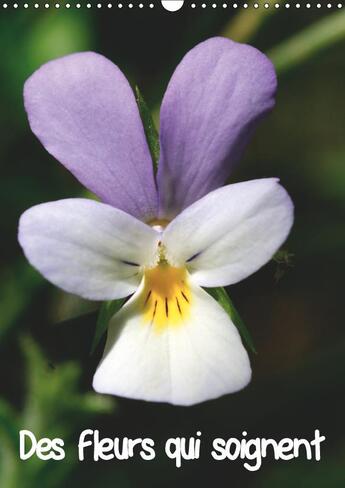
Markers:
point(231, 232)
point(184, 363)
point(86, 247)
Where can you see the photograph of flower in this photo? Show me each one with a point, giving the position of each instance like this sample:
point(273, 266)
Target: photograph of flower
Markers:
point(173, 235)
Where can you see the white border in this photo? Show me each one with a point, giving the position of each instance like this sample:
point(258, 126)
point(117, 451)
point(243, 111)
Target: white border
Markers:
point(194, 5)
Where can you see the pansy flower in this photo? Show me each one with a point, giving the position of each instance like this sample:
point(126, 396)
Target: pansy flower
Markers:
point(158, 238)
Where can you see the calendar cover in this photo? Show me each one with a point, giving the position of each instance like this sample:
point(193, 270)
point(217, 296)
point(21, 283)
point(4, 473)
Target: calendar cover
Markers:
point(172, 230)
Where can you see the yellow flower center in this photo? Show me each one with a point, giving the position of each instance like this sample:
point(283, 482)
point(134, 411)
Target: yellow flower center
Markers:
point(166, 297)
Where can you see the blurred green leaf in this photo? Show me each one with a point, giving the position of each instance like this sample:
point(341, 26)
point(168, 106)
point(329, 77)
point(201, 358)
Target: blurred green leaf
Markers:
point(149, 127)
point(330, 474)
point(245, 24)
point(9, 429)
point(301, 47)
point(221, 296)
point(54, 391)
point(63, 32)
point(36, 37)
point(66, 307)
point(328, 174)
point(53, 407)
point(18, 285)
point(107, 310)
point(8, 423)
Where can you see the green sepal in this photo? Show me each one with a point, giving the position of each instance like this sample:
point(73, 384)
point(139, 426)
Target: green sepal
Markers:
point(283, 256)
point(106, 311)
point(284, 260)
point(149, 128)
point(221, 296)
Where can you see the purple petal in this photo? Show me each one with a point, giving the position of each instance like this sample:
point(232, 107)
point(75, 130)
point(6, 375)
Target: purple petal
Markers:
point(83, 110)
point(215, 98)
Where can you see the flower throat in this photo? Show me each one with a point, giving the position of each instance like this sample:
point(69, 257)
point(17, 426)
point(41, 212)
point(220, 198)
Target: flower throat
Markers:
point(166, 295)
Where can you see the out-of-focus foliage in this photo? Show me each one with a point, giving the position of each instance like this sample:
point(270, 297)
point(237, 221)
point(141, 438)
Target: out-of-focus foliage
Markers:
point(309, 42)
point(53, 407)
point(30, 38)
point(106, 311)
point(19, 283)
point(330, 475)
point(244, 26)
point(36, 37)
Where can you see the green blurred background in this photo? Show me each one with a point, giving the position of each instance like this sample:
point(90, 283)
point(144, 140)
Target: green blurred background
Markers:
point(293, 306)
